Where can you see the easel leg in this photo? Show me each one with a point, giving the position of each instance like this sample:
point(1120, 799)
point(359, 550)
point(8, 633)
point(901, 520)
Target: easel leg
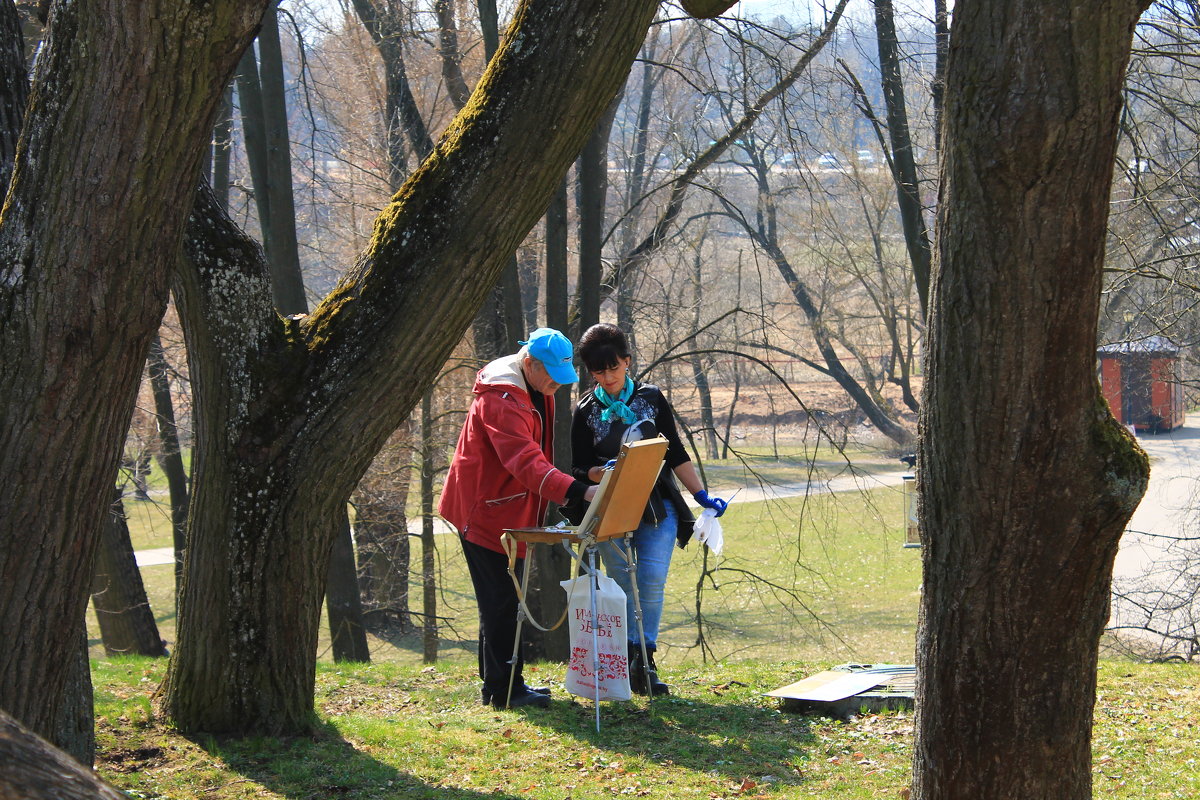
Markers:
point(592, 575)
point(637, 616)
point(512, 664)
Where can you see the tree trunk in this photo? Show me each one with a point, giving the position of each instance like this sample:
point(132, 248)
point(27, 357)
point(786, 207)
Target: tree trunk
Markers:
point(254, 138)
point(222, 148)
point(35, 770)
point(903, 163)
point(126, 622)
point(593, 193)
point(283, 252)
point(1026, 480)
point(499, 323)
point(289, 412)
point(169, 454)
point(343, 602)
point(429, 626)
point(75, 727)
point(14, 88)
point(84, 252)
point(549, 565)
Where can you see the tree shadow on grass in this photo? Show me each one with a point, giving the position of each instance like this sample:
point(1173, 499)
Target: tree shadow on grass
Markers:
point(324, 765)
point(724, 739)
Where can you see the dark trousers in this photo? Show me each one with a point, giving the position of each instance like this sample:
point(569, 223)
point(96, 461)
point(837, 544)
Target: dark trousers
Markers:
point(497, 599)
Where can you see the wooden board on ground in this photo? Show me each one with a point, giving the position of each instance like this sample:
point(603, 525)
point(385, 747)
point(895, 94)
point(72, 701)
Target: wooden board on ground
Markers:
point(850, 688)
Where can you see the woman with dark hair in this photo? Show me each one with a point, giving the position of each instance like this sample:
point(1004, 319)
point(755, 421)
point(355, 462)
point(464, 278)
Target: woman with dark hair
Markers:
point(617, 411)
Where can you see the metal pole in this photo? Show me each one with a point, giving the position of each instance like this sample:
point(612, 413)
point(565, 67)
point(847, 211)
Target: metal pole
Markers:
point(592, 577)
point(637, 616)
point(512, 664)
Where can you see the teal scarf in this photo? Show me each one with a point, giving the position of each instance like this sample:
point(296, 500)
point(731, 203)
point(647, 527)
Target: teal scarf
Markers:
point(616, 407)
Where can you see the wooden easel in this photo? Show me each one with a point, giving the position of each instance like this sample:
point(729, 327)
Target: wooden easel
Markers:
point(615, 511)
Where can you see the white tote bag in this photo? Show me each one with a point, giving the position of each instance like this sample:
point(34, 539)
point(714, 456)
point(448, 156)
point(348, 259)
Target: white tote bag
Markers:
point(611, 639)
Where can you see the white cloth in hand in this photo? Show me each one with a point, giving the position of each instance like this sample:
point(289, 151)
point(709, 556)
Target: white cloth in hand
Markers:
point(708, 530)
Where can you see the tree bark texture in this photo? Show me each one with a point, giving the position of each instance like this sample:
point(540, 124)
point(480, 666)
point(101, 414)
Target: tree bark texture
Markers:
point(35, 770)
point(122, 609)
point(120, 110)
point(14, 88)
point(1026, 480)
point(75, 727)
point(289, 412)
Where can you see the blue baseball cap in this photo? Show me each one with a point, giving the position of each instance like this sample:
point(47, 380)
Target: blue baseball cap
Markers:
point(555, 352)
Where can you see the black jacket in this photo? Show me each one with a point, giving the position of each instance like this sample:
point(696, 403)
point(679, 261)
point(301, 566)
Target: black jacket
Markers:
point(594, 442)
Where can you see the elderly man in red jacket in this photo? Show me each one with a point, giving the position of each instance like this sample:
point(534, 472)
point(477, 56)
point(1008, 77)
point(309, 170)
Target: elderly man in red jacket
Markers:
point(503, 476)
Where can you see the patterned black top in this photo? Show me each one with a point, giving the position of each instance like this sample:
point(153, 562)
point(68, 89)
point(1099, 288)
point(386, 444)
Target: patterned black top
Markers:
point(594, 442)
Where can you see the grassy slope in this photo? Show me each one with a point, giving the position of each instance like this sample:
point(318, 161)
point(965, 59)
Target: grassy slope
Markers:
point(834, 565)
point(402, 731)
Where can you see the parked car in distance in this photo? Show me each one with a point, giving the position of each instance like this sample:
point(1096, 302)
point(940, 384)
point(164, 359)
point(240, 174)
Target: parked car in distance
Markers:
point(829, 161)
point(865, 158)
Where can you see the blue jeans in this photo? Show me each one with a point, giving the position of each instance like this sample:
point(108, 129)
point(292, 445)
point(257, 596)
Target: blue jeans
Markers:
point(652, 548)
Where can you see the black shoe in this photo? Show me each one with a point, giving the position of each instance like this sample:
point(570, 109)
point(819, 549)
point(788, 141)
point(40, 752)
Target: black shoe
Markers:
point(522, 695)
point(638, 677)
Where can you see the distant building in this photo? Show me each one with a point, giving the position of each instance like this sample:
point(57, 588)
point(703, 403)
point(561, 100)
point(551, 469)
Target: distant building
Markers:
point(1140, 380)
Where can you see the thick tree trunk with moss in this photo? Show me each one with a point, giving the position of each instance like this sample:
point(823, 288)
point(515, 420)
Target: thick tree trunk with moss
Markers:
point(290, 412)
point(1026, 480)
point(119, 114)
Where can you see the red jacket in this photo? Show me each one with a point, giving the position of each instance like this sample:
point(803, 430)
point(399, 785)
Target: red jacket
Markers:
point(502, 475)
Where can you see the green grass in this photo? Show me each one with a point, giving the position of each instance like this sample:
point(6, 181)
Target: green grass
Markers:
point(817, 578)
point(406, 731)
point(802, 584)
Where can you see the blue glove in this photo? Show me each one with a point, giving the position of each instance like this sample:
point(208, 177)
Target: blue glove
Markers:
point(610, 464)
point(715, 503)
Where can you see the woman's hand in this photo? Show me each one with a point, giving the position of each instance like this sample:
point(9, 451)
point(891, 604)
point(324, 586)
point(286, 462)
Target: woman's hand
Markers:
point(715, 503)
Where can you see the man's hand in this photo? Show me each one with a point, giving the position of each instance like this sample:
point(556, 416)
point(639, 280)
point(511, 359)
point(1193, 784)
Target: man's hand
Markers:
point(590, 493)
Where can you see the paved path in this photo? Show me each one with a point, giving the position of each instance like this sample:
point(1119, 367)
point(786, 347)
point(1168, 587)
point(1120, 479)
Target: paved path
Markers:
point(155, 556)
point(1168, 507)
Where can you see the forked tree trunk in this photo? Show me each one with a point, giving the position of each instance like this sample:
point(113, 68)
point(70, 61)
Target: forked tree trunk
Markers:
point(84, 254)
point(289, 412)
point(1026, 479)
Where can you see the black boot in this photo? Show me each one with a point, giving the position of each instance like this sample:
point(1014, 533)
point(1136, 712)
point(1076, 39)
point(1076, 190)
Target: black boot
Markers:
point(638, 678)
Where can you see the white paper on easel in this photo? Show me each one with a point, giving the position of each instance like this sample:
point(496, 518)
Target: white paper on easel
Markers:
point(611, 639)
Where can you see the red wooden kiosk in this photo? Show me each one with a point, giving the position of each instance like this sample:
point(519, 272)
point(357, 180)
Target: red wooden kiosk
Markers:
point(1140, 380)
